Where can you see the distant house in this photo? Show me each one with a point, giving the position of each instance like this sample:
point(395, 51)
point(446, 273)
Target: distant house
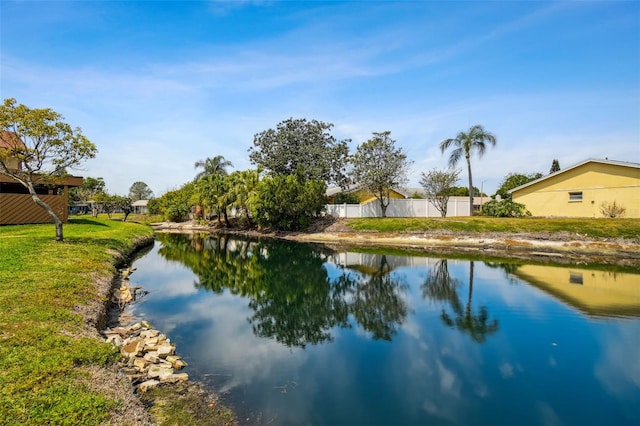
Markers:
point(362, 195)
point(17, 206)
point(140, 206)
point(581, 190)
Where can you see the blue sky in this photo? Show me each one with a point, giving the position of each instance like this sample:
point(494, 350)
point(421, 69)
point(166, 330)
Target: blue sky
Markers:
point(158, 85)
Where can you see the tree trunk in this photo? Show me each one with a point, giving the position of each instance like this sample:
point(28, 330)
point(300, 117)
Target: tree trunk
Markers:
point(470, 186)
point(248, 213)
point(383, 207)
point(49, 210)
point(226, 217)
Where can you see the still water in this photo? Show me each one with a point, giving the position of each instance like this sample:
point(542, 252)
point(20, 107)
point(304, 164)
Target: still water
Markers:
point(299, 334)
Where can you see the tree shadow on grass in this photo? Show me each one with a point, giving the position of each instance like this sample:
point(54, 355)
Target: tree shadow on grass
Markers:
point(82, 221)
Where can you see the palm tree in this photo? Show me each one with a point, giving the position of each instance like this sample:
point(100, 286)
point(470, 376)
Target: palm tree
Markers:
point(243, 189)
point(464, 144)
point(215, 166)
point(477, 326)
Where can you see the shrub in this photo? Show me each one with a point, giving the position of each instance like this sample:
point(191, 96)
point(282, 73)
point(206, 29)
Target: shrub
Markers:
point(504, 208)
point(612, 210)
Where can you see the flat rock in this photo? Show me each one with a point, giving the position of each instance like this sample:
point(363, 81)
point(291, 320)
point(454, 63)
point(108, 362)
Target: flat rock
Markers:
point(140, 363)
point(179, 364)
point(116, 339)
point(156, 371)
point(133, 347)
point(152, 357)
point(149, 384)
point(175, 378)
point(149, 333)
point(165, 350)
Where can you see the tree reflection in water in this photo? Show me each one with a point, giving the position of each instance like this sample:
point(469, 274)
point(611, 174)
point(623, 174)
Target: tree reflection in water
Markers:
point(440, 286)
point(376, 305)
point(293, 298)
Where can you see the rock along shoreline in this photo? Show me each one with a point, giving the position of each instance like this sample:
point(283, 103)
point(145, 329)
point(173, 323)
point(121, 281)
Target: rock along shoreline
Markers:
point(147, 376)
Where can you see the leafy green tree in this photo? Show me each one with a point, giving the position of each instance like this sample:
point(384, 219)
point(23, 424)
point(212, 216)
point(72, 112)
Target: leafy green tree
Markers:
point(153, 206)
point(85, 192)
point(304, 147)
point(463, 191)
point(378, 167)
point(514, 180)
point(216, 166)
point(176, 205)
point(464, 144)
point(437, 185)
point(347, 198)
point(43, 145)
point(140, 191)
point(288, 202)
point(555, 166)
point(107, 203)
point(124, 204)
point(206, 193)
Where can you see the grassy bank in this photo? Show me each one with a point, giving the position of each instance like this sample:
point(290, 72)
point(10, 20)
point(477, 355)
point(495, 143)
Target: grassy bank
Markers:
point(589, 228)
point(46, 353)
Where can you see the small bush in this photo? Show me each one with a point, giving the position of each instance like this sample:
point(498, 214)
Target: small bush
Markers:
point(612, 210)
point(177, 212)
point(504, 208)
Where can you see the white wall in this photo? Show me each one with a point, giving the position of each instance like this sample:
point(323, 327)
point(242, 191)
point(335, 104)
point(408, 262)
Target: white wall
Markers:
point(457, 206)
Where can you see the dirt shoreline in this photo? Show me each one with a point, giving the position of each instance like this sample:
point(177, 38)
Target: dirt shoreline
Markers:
point(561, 247)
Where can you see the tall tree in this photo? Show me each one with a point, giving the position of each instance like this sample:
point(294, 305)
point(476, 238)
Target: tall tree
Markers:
point(288, 202)
point(476, 139)
point(90, 188)
point(378, 166)
point(140, 191)
point(307, 148)
point(555, 166)
point(243, 188)
point(437, 185)
point(44, 147)
point(514, 180)
point(216, 166)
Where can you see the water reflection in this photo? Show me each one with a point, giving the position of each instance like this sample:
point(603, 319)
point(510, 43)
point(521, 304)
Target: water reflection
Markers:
point(593, 292)
point(288, 287)
point(301, 334)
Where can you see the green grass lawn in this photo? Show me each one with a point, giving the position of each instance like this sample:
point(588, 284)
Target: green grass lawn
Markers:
point(41, 349)
point(593, 228)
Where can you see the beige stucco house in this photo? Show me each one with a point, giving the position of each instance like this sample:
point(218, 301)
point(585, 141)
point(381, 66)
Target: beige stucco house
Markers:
point(583, 189)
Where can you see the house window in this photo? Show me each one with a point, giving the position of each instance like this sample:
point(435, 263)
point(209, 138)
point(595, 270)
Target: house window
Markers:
point(575, 196)
point(575, 278)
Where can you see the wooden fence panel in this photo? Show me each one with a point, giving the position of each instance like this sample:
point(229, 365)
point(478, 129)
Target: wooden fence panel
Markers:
point(18, 209)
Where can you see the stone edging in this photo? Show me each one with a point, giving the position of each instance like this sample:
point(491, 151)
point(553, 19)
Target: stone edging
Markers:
point(149, 357)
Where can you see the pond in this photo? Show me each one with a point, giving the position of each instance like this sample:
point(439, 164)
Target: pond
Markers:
point(299, 334)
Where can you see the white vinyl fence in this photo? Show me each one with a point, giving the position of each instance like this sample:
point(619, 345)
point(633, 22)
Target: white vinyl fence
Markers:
point(457, 206)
